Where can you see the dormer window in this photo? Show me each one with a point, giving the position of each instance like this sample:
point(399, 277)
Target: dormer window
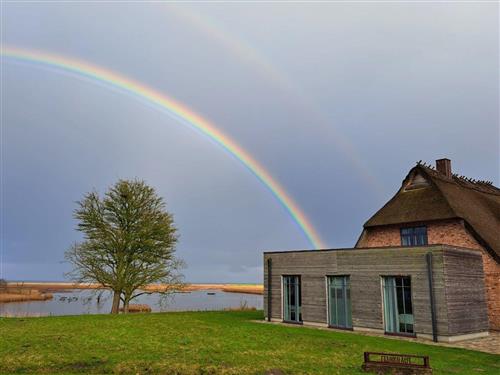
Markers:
point(414, 236)
point(417, 182)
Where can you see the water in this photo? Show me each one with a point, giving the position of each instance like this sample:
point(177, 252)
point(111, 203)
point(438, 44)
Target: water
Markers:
point(85, 301)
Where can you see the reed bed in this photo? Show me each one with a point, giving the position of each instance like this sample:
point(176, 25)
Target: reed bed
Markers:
point(138, 308)
point(55, 287)
point(52, 286)
point(34, 295)
point(242, 307)
point(249, 289)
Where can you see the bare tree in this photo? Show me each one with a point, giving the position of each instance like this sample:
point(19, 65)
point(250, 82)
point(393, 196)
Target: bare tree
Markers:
point(129, 242)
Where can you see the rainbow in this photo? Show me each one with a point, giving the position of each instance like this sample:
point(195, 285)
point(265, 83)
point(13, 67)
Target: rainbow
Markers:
point(178, 111)
point(253, 57)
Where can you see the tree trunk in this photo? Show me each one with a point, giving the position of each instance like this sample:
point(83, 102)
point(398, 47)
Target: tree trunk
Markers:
point(126, 303)
point(115, 308)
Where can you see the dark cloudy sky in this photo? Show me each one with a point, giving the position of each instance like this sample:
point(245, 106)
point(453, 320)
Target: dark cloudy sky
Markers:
point(337, 101)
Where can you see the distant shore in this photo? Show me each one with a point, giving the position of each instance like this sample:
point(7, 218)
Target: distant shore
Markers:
point(40, 291)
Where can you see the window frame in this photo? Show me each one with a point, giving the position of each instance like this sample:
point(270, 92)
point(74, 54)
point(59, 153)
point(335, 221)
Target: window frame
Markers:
point(347, 286)
point(299, 279)
point(413, 235)
point(382, 294)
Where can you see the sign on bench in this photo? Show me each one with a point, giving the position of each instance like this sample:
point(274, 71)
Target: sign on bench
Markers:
point(396, 363)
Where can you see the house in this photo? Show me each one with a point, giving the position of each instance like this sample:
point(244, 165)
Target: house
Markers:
point(427, 264)
point(434, 206)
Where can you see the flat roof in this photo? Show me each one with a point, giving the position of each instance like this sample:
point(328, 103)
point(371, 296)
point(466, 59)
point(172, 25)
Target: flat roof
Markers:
point(369, 248)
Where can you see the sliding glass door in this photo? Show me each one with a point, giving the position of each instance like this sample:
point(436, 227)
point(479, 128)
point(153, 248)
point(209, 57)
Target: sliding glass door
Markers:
point(291, 299)
point(398, 309)
point(339, 302)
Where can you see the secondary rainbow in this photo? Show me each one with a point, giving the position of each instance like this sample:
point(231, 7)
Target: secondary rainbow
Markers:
point(178, 111)
point(255, 58)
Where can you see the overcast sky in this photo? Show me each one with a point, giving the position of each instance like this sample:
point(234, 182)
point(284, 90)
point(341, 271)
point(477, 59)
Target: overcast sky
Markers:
point(338, 101)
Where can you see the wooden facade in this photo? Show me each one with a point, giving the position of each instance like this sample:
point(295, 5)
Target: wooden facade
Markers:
point(459, 308)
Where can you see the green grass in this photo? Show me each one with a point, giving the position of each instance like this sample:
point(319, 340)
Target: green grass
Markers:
point(202, 343)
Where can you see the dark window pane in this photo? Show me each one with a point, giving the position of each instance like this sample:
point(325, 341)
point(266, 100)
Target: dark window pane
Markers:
point(414, 236)
point(291, 298)
point(340, 293)
point(407, 301)
point(399, 295)
point(421, 230)
point(398, 309)
point(407, 281)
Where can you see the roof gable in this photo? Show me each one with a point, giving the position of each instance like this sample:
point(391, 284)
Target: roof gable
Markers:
point(417, 200)
point(427, 195)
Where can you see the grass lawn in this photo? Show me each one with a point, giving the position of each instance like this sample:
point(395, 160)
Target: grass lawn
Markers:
point(202, 343)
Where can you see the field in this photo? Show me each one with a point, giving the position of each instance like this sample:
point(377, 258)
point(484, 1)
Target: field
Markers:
point(203, 343)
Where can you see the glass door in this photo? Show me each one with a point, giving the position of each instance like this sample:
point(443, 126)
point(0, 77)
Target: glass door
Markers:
point(398, 309)
point(291, 299)
point(339, 302)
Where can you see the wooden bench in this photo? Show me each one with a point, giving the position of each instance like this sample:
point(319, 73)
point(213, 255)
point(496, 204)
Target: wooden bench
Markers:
point(397, 364)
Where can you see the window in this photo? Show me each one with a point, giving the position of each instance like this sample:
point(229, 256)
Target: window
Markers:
point(339, 302)
point(398, 309)
point(417, 182)
point(414, 236)
point(291, 299)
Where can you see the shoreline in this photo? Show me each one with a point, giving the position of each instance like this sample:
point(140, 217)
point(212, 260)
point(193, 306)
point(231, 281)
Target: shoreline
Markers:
point(40, 291)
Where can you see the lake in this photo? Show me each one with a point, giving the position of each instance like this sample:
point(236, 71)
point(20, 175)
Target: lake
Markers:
point(87, 301)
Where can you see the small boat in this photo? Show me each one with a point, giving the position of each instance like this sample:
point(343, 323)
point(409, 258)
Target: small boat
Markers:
point(211, 293)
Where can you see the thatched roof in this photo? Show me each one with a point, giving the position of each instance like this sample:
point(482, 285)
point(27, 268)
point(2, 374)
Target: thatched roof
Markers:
point(427, 194)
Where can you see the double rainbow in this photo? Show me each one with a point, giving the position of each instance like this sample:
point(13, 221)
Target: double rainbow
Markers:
point(177, 110)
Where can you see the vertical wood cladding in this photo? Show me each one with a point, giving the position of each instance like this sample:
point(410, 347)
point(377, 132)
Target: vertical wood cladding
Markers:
point(366, 267)
point(453, 233)
point(465, 294)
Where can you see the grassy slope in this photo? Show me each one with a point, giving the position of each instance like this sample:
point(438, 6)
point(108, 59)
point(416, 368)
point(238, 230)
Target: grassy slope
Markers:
point(202, 343)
